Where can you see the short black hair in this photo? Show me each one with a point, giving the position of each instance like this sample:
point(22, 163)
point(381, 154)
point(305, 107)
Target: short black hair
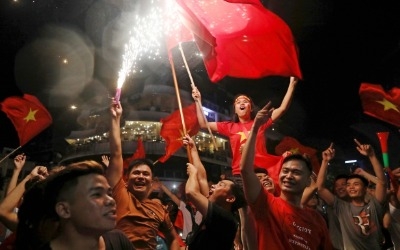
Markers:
point(340, 176)
point(38, 220)
point(237, 191)
point(141, 161)
point(357, 176)
point(259, 170)
point(299, 157)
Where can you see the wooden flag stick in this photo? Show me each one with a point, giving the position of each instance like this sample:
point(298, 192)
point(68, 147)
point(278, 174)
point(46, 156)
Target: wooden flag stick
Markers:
point(178, 97)
point(12, 152)
point(199, 102)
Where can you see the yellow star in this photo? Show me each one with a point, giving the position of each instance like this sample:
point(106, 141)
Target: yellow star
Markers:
point(31, 115)
point(295, 150)
point(242, 136)
point(388, 105)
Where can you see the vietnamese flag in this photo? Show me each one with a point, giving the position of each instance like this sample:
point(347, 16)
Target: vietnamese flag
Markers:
point(241, 38)
point(381, 104)
point(28, 116)
point(138, 154)
point(295, 147)
point(172, 129)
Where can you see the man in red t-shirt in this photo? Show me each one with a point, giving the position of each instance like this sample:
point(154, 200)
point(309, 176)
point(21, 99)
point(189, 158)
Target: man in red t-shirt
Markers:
point(282, 222)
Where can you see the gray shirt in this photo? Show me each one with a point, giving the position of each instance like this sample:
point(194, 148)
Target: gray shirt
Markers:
point(360, 225)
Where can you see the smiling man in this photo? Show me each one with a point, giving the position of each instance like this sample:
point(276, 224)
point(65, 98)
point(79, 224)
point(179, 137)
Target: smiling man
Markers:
point(139, 217)
point(282, 222)
point(359, 217)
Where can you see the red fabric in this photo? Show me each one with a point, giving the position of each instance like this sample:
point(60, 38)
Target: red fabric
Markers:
point(238, 133)
point(378, 103)
point(283, 226)
point(177, 32)
point(179, 220)
point(9, 242)
point(295, 147)
point(172, 129)
point(28, 115)
point(241, 39)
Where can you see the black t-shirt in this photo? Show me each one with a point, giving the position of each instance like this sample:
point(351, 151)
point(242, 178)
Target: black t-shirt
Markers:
point(114, 240)
point(219, 232)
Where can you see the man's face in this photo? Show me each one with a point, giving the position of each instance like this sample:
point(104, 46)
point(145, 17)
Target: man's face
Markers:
point(92, 209)
point(243, 107)
point(220, 192)
point(266, 182)
point(294, 177)
point(340, 188)
point(140, 180)
point(355, 188)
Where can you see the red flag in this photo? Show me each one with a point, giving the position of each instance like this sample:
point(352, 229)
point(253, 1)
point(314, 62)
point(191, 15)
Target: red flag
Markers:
point(241, 39)
point(28, 115)
point(294, 146)
point(172, 130)
point(138, 154)
point(378, 103)
point(177, 32)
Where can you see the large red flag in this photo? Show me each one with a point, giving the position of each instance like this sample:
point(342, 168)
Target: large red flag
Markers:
point(176, 31)
point(172, 129)
point(28, 115)
point(294, 146)
point(380, 104)
point(241, 38)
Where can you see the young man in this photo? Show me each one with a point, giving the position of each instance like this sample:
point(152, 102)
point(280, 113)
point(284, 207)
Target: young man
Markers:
point(139, 217)
point(246, 239)
point(219, 226)
point(282, 222)
point(70, 209)
point(360, 218)
point(189, 212)
point(339, 190)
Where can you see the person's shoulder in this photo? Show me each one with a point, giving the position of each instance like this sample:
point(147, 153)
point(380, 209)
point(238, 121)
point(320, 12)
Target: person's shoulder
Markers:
point(116, 239)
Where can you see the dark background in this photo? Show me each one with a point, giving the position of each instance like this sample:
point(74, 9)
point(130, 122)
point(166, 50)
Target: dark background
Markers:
point(341, 44)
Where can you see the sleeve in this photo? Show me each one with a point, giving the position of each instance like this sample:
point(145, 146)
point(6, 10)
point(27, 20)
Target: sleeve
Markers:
point(224, 128)
point(122, 198)
point(260, 205)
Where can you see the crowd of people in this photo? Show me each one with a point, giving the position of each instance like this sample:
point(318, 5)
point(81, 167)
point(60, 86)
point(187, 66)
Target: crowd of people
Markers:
point(97, 205)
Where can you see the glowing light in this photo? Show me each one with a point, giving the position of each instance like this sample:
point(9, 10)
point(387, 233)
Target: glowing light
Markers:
point(146, 37)
point(73, 107)
point(144, 42)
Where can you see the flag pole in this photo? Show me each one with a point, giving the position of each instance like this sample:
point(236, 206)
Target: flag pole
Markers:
point(199, 101)
point(12, 152)
point(178, 97)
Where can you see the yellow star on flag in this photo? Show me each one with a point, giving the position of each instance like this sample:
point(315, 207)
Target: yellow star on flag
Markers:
point(31, 115)
point(242, 136)
point(387, 105)
point(295, 150)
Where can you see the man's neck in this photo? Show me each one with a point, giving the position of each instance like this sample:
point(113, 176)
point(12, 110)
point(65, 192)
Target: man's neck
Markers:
point(358, 201)
point(292, 199)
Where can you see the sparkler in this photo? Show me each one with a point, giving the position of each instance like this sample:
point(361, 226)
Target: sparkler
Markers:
point(144, 41)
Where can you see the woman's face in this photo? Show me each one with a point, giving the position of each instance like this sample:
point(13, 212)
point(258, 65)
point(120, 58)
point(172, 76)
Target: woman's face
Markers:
point(243, 107)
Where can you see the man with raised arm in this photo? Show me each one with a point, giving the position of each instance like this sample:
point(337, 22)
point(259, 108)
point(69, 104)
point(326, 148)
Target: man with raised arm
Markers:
point(360, 217)
point(282, 222)
point(139, 217)
point(219, 226)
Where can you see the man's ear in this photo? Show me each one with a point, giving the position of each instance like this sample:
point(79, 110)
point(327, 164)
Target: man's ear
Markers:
point(231, 199)
point(63, 209)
